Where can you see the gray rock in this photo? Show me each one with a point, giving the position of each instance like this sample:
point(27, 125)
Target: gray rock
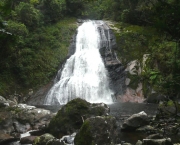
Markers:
point(21, 118)
point(4, 102)
point(139, 142)
point(135, 121)
point(145, 128)
point(2, 99)
point(55, 142)
point(72, 115)
point(157, 141)
point(97, 130)
point(155, 136)
point(38, 97)
point(27, 140)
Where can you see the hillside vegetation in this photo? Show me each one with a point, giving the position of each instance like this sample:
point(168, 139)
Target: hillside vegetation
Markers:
point(37, 34)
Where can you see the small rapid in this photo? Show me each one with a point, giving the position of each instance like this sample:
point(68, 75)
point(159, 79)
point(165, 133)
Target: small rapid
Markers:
point(84, 74)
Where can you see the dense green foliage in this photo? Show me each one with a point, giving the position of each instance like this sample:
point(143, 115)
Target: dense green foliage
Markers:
point(32, 45)
point(35, 35)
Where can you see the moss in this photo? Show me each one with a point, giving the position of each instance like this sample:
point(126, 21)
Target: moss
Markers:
point(69, 117)
point(36, 141)
point(14, 110)
point(43, 50)
point(43, 139)
point(170, 103)
point(99, 110)
point(85, 135)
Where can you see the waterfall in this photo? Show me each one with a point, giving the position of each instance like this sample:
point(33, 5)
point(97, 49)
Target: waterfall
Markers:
point(84, 74)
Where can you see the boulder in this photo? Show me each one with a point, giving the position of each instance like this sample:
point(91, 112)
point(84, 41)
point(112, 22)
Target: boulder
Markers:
point(27, 139)
point(72, 115)
point(146, 128)
point(155, 136)
point(101, 130)
point(55, 142)
point(4, 102)
point(139, 142)
point(43, 139)
point(135, 121)
point(157, 142)
point(18, 119)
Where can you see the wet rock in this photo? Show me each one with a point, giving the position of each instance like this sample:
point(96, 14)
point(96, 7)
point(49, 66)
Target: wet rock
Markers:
point(21, 128)
point(55, 142)
point(135, 121)
point(8, 141)
point(18, 119)
point(37, 132)
point(139, 142)
point(4, 102)
point(97, 130)
point(155, 136)
point(38, 97)
point(157, 142)
point(43, 139)
point(72, 115)
point(146, 128)
point(68, 138)
point(27, 140)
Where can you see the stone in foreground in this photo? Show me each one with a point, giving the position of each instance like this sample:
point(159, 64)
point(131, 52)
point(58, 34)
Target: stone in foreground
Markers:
point(97, 130)
point(135, 121)
point(72, 115)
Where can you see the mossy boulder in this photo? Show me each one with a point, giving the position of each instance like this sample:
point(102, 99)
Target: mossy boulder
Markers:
point(101, 130)
point(43, 139)
point(71, 116)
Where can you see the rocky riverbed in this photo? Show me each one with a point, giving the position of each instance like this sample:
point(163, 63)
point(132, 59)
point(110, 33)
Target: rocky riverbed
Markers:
point(83, 123)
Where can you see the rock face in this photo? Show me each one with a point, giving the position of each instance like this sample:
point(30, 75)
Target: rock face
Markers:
point(115, 69)
point(135, 121)
point(97, 130)
point(71, 116)
point(27, 140)
point(38, 97)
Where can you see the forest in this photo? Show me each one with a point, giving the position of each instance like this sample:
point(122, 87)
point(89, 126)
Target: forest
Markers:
point(35, 35)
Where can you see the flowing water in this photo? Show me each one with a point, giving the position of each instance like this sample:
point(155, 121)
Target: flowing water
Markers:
point(84, 74)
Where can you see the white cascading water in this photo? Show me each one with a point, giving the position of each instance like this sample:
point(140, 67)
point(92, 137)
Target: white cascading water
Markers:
point(84, 74)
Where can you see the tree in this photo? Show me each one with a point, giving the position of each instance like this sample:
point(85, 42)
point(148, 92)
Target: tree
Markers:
point(27, 14)
point(54, 10)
